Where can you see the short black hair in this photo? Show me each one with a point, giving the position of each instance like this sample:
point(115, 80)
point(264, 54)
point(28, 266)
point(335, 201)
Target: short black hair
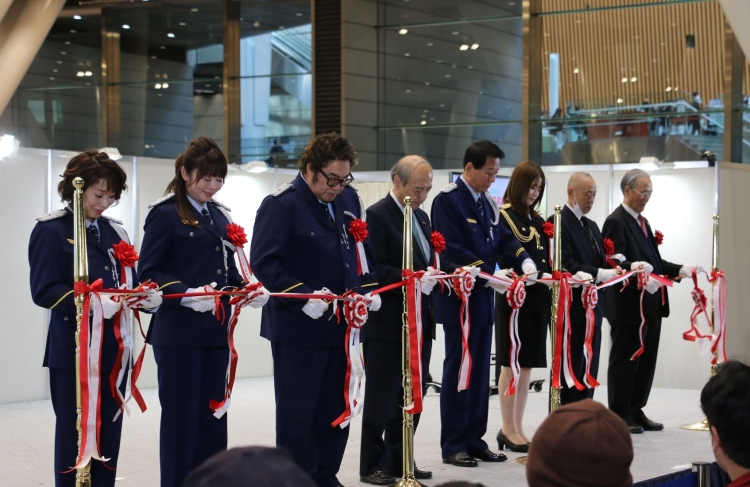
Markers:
point(725, 400)
point(478, 152)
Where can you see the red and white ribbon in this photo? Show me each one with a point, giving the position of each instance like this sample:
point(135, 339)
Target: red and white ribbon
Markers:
point(438, 245)
point(562, 364)
point(463, 283)
point(355, 314)
point(642, 283)
point(414, 318)
point(720, 315)
point(515, 295)
point(590, 297)
point(358, 229)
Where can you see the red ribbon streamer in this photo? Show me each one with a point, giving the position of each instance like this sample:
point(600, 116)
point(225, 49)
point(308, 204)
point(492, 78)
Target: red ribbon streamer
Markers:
point(590, 297)
point(355, 314)
point(464, 284)
point(414, 318)
point(515, 295)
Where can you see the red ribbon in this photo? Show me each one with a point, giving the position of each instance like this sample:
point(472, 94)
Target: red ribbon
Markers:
point(438, 244)
point(590, 297)
point(561, 364)
point(642, 282)
point(464, 284)
point(414, 318)
point(720, 315)
point(358, 229)
point(355, 314)
point(515, 295)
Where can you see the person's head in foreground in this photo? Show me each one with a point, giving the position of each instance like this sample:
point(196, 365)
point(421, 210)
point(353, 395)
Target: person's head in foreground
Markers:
point(582, 444)
point(259, 466)
point(725, 400)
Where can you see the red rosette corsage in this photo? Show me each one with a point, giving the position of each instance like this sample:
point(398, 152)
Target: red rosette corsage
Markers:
point(609, 247)
point(125, 253)
point(549, 229)
point(659, 237)
point(358, 229)
point(236, 235)
point(438, 242)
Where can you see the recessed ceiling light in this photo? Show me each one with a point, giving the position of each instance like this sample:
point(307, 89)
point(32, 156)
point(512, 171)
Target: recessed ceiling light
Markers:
point(67, 43)
point(633, 79)
point(298, 14)
point(464, 47)
point(54, 71)
point(447, 76)
point(407, 54)
point(165, 85)
point(193, 9)
point(575, 71)
point(162, 47)
point(403, 31)
point(470, 67)
point(80, 74)
point(408, 91)
point(73, 31)
point(153, 57)
point(474, 47)
point(455, 32)
point(52, 78)
point(256, 24)
point(669, 88)
point(170, 34)
point(183, 24)
point(429, 44)
point(619, 100)
point(77, 17)
point(59, 62)
point(442, 105)
point(125, 26)
point(157, 86)
point(63, 53)
point(427, 83)
point(423, 122)
point(624, 80)
point(88, 73)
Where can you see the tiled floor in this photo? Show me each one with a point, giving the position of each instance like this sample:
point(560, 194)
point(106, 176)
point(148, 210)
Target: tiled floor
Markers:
point(28, 429)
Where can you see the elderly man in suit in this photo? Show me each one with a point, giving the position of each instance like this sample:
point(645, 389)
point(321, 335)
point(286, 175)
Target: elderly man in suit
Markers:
point(380, 458)
point(629, 381)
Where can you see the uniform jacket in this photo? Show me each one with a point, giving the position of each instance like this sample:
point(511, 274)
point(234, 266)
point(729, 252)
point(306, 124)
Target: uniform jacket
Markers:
point(179, 256)
point(51, 261)
point(296, 248)
point(577, 255)
point(386, 220)
point(629, 240)
point(471, 240)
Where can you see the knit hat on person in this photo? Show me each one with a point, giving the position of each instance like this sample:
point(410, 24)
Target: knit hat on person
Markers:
point(582, 444)
point(258, 466)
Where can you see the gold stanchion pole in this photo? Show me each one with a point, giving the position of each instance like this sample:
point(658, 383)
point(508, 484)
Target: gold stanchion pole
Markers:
point(554, 397)
point(80, 274)
point(703, 425)
point(407, 466)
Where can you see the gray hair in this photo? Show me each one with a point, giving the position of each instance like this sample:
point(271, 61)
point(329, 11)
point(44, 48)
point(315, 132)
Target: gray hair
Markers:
point(630, 178)
point(405, 166)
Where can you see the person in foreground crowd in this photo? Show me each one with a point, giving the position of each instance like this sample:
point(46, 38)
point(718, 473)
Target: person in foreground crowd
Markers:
point(468, 217)
point(302, 243)
point(183, 250)
point(725, 400)
point(256, 466)
point(583, 251)
point(51, 252)
point(582, 444)
point(629, 381)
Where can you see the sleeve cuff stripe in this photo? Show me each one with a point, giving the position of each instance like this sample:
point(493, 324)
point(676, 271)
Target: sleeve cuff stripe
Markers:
point(60, 300)
point(476, 263)
point(168, 284)
point(369, 285)
point(519, 251)
point(290, 288)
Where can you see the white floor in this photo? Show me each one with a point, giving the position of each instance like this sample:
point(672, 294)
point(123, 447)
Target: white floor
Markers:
point(28, 431)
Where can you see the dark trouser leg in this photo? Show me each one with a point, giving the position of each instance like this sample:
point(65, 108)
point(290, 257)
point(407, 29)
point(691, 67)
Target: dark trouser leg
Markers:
point(571, 394)
point(480, 343)
point(644, 376)
point(622, 371)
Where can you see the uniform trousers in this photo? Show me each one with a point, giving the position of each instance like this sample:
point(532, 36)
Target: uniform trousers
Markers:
point(62, 384)
point(309, 388)
point(629, 381)
point(383, 411)
point(463, 415)
point(578, 361)
point(189, 378)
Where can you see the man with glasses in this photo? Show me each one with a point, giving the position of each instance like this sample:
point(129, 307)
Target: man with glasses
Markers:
point(302, 244)
point(629, 381)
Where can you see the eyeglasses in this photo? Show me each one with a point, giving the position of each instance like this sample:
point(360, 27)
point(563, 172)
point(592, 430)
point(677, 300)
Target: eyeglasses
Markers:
point(333, 182)
point(645, 195)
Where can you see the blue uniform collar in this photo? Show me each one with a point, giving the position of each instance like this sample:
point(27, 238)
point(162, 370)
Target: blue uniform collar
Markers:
point(196, 205)
point(474, 194)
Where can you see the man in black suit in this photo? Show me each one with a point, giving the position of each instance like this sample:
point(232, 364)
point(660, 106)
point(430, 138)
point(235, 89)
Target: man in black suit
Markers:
point(583, 251)
point(629, 381)
point(381, 459)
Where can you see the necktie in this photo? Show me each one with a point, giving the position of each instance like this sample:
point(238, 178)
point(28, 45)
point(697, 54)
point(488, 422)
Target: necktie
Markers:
point(207, 215)
point(417, 236)
point(480, 205)
point(325, 208)
point(94, 232)
point(642, 221)
point(590, 235)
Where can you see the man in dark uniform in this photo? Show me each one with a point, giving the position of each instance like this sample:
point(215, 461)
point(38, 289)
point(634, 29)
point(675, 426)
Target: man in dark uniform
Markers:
point(302, 243)
point(583, 251)
point(629, 381)
point(467, 216)
point(381, 460)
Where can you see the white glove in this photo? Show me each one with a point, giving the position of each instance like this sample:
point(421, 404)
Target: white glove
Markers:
point(528, 267)
point(687, 270)
point(109, 307)
point(547, 276)
point(428, 280)
point(642, 265)
point(581, 276)
point(604, 275)
point(261, 298)
point(314, 308)
point(653, 285)
point(201, 304)
point(500, 287)
point(473, 270)
point(375, 301)
point(152, 301)
point(619, 257)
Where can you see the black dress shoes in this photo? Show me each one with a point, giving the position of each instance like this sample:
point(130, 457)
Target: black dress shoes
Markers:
point(378, 477)
point(503, 441)
point(488, 456)
point(461, 460)
point(648, 425)
point(633, 428)
point(418, 474)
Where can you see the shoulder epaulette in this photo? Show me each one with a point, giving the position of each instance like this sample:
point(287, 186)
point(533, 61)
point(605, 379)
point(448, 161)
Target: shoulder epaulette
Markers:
point(110, 219)
point(220, 205)
point(448, 188)
point(282, 189)
point(505, 206)
point(51, 216)
point(223, 209)
point(116, 226)
point(494, 206)
point(161, 200)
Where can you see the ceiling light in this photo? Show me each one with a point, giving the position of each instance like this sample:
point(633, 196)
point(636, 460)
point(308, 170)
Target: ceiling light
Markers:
point(112, 152)
point(403, 31)
point(77, 17)
point(407, 54)
point(80, 74)
point(669, 88)
point(88, 73)
point(619, 100)
point(73, 31)
point(165, 85)
point(429, 44)
point(408, 91)
point(67, 43)
point(183, 24)
point(474, 47)
point(63, 53)
point(447, 76)
point(464, 47)
point(255, 167)
point(423, 122)
point(193, 9)
point(575, 71)
point(298, 14)
point(157, 86)
point(455, 32)
point(633, 79)
point(171, 35)
point(624, 80)
point(256, 24)
point(125, 26)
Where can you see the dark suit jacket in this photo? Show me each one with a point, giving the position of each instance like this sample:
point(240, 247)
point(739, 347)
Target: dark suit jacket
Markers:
point(629, 240)
point(385, 220)
point(577, 255)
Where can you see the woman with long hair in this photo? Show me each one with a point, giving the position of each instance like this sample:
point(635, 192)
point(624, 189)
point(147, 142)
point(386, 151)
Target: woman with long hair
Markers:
point(51, 253)
point(520, 215)
point(184, 251)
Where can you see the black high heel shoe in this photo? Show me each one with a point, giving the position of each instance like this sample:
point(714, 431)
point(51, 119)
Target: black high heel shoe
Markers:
point(503, 441)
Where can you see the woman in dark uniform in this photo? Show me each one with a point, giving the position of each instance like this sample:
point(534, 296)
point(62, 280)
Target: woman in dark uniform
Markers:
point(184, 251)
point(520, 216)
point(51, 260)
